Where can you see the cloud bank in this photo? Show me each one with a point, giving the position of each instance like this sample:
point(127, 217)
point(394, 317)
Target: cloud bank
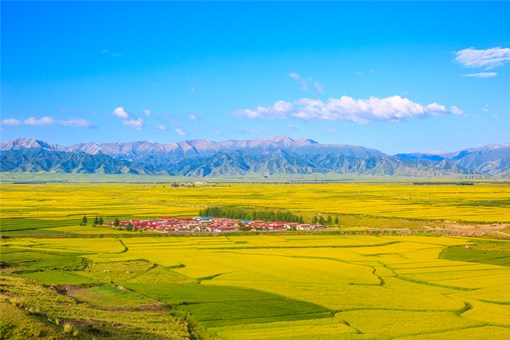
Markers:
point(362, 111)
point(481, 75)
point(46, 121)
point(487, 59)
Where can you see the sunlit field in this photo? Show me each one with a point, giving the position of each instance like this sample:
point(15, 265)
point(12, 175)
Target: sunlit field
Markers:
point(61, 279)
point(30, 206)
point(254, 287)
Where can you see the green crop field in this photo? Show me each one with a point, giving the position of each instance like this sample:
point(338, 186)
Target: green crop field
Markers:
point(62, 280)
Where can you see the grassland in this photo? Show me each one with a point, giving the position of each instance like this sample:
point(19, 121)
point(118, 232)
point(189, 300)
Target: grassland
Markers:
point(62, 280)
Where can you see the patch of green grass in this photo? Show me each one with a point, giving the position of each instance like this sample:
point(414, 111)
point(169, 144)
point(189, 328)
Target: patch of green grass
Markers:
point(504, 203)
point(57, 277)
point(215, 305)
point(110, 296)
point(117, 271)
point(16, 224)
point(488, 252)
point(34, 232)
point(33, 260)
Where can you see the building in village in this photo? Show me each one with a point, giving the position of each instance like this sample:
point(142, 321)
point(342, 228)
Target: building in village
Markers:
point(211, 224)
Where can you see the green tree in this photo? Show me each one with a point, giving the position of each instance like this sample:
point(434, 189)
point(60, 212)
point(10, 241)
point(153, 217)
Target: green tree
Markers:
point(84, 220)
point(96, 221)
point(329, 220)
point(336, 221)
point(101, 221)
point(322, 220)
point(129, 227)
point(116, 222)
point(315, 220)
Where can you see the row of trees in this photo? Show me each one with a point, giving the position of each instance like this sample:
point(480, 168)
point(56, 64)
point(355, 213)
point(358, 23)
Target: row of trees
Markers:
point(321, 220)
point(265, 215)
point(97, 221)
point(243, 214)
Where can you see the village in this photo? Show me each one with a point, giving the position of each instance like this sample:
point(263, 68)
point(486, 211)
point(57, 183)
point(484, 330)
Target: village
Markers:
point(210, 224)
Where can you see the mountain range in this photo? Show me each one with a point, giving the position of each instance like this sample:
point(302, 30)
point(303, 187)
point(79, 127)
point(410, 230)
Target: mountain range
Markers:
point(279, 155)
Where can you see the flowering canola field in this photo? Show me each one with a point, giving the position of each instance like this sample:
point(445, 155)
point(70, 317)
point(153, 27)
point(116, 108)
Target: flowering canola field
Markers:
point(59, 279)
point(253, 287)
point(36, 206)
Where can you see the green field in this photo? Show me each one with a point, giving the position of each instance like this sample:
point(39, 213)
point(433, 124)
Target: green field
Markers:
point(62, 280)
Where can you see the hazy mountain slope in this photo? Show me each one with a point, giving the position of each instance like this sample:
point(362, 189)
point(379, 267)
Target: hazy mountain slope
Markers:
point(491, 160)
point(258, 158)
point(163, 154)
point(38, 159)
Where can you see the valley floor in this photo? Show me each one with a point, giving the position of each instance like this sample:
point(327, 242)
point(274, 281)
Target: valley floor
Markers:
point(358, 279)
point(254, 287)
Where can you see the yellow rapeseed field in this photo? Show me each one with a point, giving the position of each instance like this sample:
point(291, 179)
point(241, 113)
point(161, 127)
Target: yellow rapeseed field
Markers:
point(274, 285)
point(477, 203)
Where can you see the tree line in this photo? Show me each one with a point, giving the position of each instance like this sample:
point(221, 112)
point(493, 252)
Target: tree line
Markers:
point(97, 221)
point(244, 214)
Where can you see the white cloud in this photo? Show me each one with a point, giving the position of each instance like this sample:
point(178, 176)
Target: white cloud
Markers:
point(128, 120)
point(147, 112)
point(180, 132)
point(161, 127)
point(363, 111)
point(485, 108)
point(481, 75)
point(454, 110)
point(75, 122)
point(192, 116)
point(487, 59)
point(121, 113)
point(46, 120)
point(308, 84)
point(136, 123)
point(10, 121)
point(39, 121)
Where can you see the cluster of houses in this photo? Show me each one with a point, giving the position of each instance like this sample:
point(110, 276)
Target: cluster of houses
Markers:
point(211, 224)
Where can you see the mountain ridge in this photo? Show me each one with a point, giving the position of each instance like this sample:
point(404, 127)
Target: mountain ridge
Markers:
point(255, 157)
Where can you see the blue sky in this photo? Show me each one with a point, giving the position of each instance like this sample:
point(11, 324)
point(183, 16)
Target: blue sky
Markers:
point(399, 76)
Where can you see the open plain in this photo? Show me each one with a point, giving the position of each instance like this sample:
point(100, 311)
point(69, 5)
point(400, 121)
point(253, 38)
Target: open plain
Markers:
point(62, 279)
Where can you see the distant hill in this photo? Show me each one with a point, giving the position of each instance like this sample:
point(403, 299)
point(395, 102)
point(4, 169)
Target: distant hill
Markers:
point(39, 159)
point(492, 160)
point(279, 155)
